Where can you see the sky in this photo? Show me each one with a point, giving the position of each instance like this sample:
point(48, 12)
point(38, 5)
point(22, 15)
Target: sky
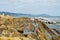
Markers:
point(51, 7)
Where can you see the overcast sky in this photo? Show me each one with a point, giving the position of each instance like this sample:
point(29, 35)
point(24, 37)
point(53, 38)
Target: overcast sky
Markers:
point(51, 7)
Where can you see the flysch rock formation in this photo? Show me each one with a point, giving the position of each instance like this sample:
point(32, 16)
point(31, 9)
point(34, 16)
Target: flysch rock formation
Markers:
point(24, 28)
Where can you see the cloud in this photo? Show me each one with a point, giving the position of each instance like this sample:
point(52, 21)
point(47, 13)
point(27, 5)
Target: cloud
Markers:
point(31, 6)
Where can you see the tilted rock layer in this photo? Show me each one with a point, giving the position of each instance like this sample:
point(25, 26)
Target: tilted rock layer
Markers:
point(15, 28)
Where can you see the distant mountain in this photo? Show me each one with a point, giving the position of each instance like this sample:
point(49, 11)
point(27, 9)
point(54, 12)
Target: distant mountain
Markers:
point(43, 15)
point(9, 13)
point(22, 14)
point(15, 14)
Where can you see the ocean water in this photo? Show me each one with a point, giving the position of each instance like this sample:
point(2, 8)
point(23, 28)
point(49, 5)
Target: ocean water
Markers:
point(57, 20)
point(56, 26)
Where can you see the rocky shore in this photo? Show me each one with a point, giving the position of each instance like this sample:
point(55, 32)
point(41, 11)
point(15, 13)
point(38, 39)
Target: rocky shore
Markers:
point(23, 29)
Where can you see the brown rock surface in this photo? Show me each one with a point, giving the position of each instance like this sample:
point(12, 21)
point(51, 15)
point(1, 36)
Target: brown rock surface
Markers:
point(13, 29)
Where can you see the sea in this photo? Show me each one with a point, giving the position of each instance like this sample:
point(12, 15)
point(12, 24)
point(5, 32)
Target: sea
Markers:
point(56, 19)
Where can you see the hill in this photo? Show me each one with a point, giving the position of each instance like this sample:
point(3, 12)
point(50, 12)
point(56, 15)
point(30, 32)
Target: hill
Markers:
point(22, 14)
